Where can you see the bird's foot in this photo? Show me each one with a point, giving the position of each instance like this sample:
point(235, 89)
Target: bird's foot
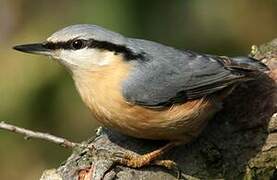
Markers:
point(138, 161)
point(169, 164)
point(133, 161)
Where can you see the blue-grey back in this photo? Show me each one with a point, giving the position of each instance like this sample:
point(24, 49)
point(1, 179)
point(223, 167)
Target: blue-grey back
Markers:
point(170, 75)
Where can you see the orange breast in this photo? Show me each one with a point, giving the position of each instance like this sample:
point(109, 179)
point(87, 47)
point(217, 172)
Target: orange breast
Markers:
point(101, 90)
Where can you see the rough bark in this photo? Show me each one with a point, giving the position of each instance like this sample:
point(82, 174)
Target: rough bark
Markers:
point(239, 143)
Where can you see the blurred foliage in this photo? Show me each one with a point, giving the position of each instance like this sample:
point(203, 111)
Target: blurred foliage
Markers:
point(37, 93)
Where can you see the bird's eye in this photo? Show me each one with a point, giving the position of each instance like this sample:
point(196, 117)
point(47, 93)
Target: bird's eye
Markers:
point(78, 44)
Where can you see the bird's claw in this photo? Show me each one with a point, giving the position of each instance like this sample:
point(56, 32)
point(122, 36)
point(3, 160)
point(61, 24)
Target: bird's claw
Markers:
point(168, 164)
point(122, 155)
point(137, 161)
point(131, 160)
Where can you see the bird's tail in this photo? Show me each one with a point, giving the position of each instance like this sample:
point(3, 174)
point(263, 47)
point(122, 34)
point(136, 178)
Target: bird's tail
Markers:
point(250, 63)
point(246, 64)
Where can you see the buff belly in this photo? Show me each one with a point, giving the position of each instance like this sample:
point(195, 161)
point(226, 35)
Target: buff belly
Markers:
point(101, 92)
point(178, 123)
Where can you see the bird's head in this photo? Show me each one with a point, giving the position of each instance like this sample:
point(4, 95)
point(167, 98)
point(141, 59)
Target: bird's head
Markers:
point(80, 46)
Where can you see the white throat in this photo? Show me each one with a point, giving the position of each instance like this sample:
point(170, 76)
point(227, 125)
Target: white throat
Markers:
point(86, 58)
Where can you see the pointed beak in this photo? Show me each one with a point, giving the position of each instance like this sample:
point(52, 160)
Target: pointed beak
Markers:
point(38, 48)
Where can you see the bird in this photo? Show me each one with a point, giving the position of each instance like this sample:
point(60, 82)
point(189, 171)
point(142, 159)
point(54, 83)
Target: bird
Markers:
point(145, 89)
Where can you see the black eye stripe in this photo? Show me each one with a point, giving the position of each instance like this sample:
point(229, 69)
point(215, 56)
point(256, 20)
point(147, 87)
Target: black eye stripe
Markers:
point(60, 45)
point(91, 43)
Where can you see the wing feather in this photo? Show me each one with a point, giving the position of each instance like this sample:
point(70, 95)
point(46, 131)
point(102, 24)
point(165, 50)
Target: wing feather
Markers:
point(172, 76)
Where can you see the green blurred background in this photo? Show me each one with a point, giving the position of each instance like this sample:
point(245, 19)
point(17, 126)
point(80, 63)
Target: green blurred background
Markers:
point(37, 93)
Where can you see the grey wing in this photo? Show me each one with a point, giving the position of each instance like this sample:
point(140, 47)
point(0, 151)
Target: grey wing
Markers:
point(162, 81)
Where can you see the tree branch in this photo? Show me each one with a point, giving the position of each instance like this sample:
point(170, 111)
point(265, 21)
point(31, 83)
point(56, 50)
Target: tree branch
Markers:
point(38, 135)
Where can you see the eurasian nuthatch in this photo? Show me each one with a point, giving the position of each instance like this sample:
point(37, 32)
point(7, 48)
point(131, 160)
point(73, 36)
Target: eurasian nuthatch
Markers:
point(142, 88)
